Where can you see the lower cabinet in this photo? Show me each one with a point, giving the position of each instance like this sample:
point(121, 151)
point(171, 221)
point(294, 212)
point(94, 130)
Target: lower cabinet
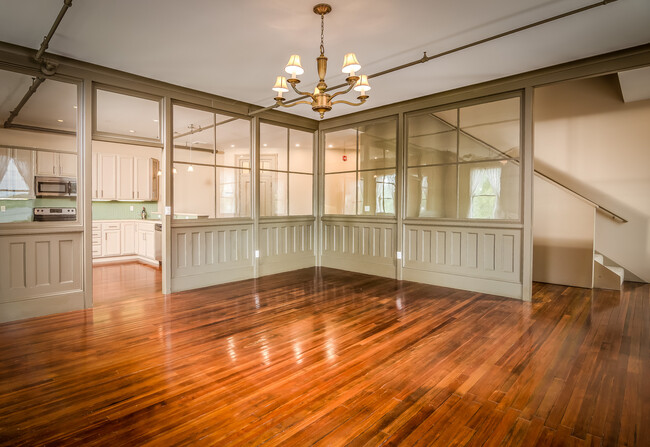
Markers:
point(124, 238)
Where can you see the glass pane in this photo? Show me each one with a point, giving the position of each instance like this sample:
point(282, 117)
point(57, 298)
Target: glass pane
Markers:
point(193, 135)
point(273, 193)
point(491, 130)
point(489, 190)
point(273, 147)
point(377, 192)
point(127, 115)
point(340, 193)
point(378, 145)
point(193, 191)
point(431, 139)
point(300, 194)
point(341, 151)
point(431, 192)
point(234, 192)
point(301, 151)
point(233, 142)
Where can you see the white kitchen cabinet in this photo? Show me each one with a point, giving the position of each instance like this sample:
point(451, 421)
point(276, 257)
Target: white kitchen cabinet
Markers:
point(111, 240)
point(95, 177)
point(57, 164)
point(128, 238)
point(146, 240)
point(146, 179)
point(125, 179)
point(107, 176)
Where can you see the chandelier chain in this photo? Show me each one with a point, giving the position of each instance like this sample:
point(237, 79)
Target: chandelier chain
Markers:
point(322, 33)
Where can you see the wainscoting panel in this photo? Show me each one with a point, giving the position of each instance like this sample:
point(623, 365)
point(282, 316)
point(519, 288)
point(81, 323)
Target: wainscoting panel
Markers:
point(40, 274)
point(478, 253)
point(204, 255)
point(359, 245)
point(286, 245)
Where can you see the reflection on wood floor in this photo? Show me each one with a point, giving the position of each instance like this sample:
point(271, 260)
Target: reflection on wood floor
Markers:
point(328, 357)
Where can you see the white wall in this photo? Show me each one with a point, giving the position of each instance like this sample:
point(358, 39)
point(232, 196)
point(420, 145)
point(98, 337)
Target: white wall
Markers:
point(587, 138)
point(563, 236)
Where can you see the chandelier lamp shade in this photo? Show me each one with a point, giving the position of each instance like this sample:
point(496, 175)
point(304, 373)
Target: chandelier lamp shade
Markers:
point(321, 101)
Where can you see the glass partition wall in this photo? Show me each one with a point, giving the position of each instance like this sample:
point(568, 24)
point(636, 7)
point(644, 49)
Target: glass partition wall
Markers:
point(286, 171)
point(38, 148)
point(463, 163)
point(360, 169)
point(212, 165)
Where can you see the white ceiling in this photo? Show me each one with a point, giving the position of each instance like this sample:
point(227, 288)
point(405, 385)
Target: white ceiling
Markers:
point(236, 49)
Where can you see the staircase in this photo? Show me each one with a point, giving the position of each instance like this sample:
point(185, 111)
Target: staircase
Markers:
point(607, 274)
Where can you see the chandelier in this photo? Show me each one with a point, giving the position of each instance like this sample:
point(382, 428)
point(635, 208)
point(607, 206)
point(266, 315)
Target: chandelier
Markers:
point(321, 101)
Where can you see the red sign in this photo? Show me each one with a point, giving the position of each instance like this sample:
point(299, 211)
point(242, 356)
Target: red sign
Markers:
point(345, 158)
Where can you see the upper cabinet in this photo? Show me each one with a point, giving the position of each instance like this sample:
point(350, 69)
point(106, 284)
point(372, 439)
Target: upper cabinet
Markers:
point(57, 164)
point(117, 177)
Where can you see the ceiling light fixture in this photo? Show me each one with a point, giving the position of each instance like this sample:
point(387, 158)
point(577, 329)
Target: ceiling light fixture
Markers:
point(321, 101)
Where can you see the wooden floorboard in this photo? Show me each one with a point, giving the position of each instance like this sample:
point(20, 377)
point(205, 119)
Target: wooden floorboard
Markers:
point(326, 357)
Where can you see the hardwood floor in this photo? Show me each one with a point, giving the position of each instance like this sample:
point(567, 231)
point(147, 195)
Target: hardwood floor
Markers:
point(325, 357)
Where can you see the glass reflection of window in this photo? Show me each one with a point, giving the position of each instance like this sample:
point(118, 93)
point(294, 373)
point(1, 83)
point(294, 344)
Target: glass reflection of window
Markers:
point(485, 184)
point(385, 187)
point(14, 179)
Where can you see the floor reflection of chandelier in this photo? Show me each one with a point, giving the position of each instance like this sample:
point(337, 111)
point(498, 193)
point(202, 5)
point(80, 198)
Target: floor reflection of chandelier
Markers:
point(321, 101)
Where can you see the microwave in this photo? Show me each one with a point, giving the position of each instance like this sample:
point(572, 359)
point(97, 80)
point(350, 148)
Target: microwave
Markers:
point(55, 186)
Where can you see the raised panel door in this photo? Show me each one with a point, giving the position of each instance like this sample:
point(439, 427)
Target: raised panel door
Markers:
point(142, 179)
point(125, 183)
point(128, 238)
point(108, 178)
point(111, 243)
point(95, 177)
point(46, 163)
point(67, 165)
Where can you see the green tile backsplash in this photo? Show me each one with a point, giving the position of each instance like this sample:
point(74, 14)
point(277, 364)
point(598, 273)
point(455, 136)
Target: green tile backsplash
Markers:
point(121, 210)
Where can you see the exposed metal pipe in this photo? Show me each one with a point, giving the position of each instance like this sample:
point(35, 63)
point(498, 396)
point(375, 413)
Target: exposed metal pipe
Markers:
point(36, 82)
point(46, 40)
point(426, 58)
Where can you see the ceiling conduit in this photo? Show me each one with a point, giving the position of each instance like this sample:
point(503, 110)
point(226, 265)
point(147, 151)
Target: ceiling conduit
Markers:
point(426, 58)
point(48, 68)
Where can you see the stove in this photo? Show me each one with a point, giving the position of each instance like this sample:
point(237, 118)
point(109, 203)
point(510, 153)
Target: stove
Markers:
point(54, 214)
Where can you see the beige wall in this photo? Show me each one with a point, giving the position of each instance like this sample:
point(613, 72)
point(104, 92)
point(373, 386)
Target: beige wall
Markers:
point(587, 138)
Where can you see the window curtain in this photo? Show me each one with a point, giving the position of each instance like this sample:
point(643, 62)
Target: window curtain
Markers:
point(22, 159)
point(494, 177)
point(4, 162)
point(476, 179)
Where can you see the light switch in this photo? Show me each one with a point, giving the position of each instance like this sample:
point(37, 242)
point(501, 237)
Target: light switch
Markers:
point(399, 255)
point(168, 211)
point(131, 208)
point(257, 253)
point(3, 208)
point(366, 208)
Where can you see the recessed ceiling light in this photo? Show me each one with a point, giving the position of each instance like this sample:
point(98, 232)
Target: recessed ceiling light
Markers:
point(60, 121)
point(74, 107)
point(331, 145)
point(297, 145)
point(232, 145)
point(155, 121)
point(131, 130)
point(265, 145)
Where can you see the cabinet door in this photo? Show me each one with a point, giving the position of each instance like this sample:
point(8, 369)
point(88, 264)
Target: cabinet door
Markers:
point(128, 238)
point(68, 165)
point(111, 244)
point(142, 243)
point(125, 190)
point(108, 178)
point(46, 163)
point(142, 176)
point(151, 246)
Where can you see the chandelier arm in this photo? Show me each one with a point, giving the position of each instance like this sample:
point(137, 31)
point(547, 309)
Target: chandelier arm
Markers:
point(343, 92)
point(294, 103)
point(299, 92)
point(350, 103)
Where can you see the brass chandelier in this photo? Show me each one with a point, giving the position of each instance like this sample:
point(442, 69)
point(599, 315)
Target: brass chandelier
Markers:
point(321, 101)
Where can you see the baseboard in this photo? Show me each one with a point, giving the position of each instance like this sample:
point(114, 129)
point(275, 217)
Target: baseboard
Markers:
point(360, 266)
point(43, 305)
point(119, 259)
point(481, 285)
point(189, 282)
point(271, 267)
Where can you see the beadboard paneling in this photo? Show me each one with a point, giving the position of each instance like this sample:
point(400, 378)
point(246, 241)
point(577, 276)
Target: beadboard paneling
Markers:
point(203, 255)
point(286, 245)
point(489, 253)
point(359, 245)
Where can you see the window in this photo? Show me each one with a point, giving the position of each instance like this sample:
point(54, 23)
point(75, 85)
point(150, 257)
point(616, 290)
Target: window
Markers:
point(360, 175)
point(211, 174)
point(286, 171)
point(128, 115)
point(463, 163)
